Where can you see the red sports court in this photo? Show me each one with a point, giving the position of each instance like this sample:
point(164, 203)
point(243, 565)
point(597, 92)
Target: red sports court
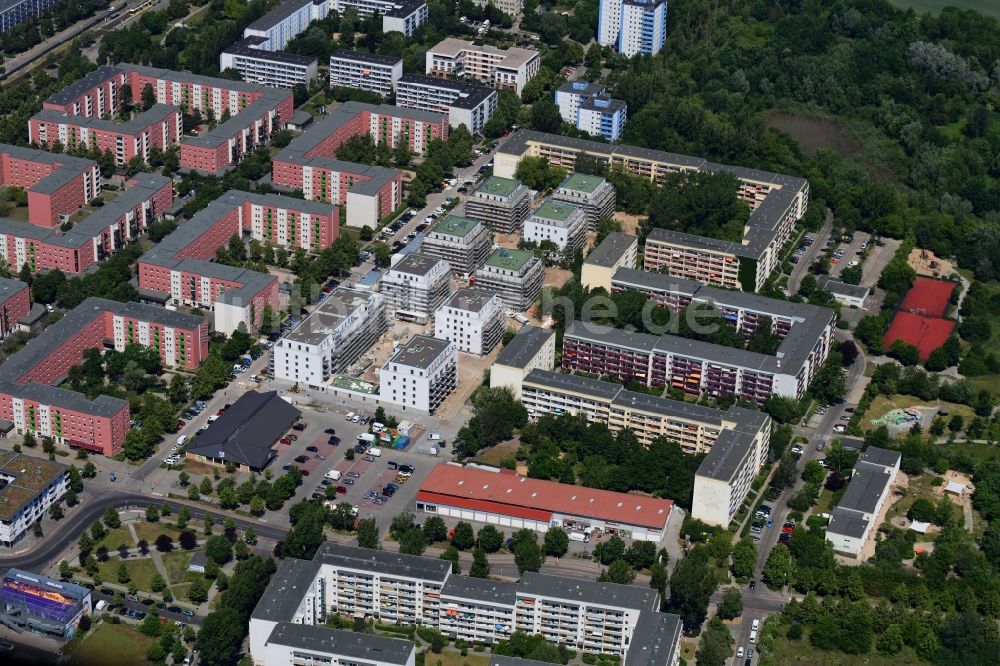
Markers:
point(928, 297)
point(924, 333)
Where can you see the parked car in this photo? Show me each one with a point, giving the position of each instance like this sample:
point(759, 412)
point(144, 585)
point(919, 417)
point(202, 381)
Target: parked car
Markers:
point(312, 449)
point(348, 482)
point(285, 440)
point(301, 459)
point(354, 475)
point(368, 458)
point(331, 431)
point(341, 490)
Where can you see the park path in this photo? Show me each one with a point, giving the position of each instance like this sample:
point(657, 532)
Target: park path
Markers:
point(153, 554)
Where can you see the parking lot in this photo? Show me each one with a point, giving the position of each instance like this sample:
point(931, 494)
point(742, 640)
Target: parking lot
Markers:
point(851, 253)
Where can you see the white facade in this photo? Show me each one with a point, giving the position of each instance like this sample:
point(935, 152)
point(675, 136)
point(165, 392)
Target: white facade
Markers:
point(364, 71)
point(229, 316)
point(345, 325)
point(570, 95)
point(465, 104)
point(632, 26)
point(856, 517)
point(362, 210)
point(416, 286)
point(278, 70)
point(420, 375)
point(403, 16)
point(473, 320)
point(561, 223)
point(44, 481)
point(511, 68)
point(531, 348)
point(725, 477)
point(602, 116)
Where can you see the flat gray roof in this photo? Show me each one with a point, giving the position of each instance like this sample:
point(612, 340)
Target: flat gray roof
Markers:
point(156, 113)
point(364, 56)
point(10, 287)
point(369, 648)
point(248, 47)
point(614, 246)
point(524, 347)
point(847, 523)
point(383, 561)
point(278, 14)
point(83, 84)
point(655, 639)
point(835, 286)
point(286, 590)
point(416, 264)
point(470, 95)
point(420, 351)
point(585, 591)
point(472, 300)
point(331, 312)
point(880, 456)
point(480, 590)
point(575, 383)
point(68, 168)
point(865, 488)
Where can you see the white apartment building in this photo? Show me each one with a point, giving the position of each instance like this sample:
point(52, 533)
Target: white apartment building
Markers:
point(416, 286)
point(725, 476)
point(462, 242)
point(332, 338)
point(290, 643)
point(258, 64)
point(531, 348)
point(515, 275)
point(592, 193)
point(511, 7)
point(365, 71)
point(511, 68)
point(473, 320)
point(854, 519)
point(417, 590)
point(561, 223)
point(502, 203)
point(465, 103)
point(28, 487)
point(602, 116)
point(571, 95)
point(632, 26)
point(420, 374)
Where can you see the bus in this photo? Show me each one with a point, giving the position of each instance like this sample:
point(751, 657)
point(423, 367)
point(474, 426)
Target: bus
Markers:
point(141, 6)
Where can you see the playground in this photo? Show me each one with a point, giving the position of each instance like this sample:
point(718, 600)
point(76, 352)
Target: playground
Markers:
point(899, 412)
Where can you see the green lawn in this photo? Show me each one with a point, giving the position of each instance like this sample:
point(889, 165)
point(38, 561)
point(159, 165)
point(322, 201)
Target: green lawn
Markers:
point(882, 404)
point(141, 571)
point(110, 645)
point(176, 564)
point(802, 653)
point(987, 7)
point(149, 531)
point(115, 538)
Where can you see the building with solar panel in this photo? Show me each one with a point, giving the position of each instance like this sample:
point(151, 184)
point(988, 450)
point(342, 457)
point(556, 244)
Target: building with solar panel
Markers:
point(36, 603)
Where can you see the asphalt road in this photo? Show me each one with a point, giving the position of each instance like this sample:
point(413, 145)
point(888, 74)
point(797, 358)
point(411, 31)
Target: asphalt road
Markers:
point(809, 256)
point(94, 503)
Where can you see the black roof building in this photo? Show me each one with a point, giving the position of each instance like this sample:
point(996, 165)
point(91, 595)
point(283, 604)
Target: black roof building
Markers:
point(245, 433)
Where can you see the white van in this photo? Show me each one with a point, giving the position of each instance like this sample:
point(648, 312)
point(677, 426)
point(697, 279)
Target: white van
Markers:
point(377, 427)
point(334, 474)
point(101, 605)
point(753, 636)
point(182, 440)
point(579, 536)
point(434, 437)
point(375, 452)
point(756, 625)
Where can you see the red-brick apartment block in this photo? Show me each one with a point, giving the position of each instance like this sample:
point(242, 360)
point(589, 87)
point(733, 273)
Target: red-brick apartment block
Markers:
point(57, 185)
point(14, 304)
point(180, 268)
point(370, 193)
point(30, 402)
point(159, 127)
point(254, 111)
point(99, 235)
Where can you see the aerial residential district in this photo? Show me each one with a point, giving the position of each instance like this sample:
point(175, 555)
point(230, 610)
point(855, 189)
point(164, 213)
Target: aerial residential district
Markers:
point(499, 332)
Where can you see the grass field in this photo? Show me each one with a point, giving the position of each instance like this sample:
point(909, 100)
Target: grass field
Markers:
point(110, 645)
point(115, 538)
point(802, 653)
point(881, 404)
point(455, 659)
point(140, 571)
point(176, 564)
point(987, 7)
point(497, 454)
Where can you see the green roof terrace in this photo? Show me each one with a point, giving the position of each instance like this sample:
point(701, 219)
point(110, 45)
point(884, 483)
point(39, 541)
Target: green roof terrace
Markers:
point(498, 187)
point(582, 182)
point(553, 210)
point(453, 225)
point(511, 260)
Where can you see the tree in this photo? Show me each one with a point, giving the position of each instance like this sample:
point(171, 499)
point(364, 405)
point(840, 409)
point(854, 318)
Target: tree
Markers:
point(198, 592)
point(434, 529)
point(608, 551)
point(122, 573)
point(221, 636)
point(219, 549)
point(778, 568)
point(451, 554)
point(413, 542)
point(164, 544)
point(463, 537)
point(715, 645)
point(527, 556)
point(368, 533)
point(691, 586)
point(813, 472)
point(257, 507)
point(744, 559)
point(480, 565)
point(619, 572)
point(111, 519)
point(922, 510)
point(152, 514)
point(658, 578)
point(490, 538)
point(556, 542)
point(150, 625)
point(732, 604)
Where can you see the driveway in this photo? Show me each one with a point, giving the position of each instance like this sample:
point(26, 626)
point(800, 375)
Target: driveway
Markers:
point(809, 256)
